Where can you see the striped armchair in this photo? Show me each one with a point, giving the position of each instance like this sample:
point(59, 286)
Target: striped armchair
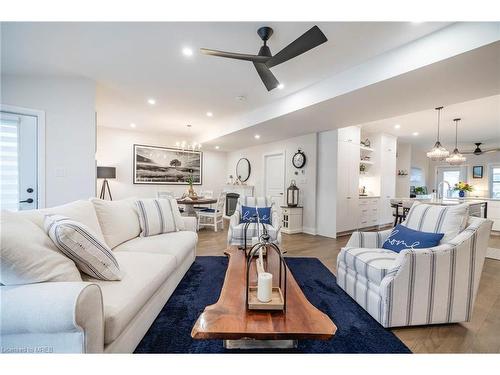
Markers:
point(416, 286)
point(236, 232)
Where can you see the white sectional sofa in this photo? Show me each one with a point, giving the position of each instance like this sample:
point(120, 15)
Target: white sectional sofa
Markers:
point(93, 316)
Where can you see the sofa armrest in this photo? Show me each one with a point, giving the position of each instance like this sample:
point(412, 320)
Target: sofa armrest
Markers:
point(190, 223)
point(52, 317)
point(373, 240)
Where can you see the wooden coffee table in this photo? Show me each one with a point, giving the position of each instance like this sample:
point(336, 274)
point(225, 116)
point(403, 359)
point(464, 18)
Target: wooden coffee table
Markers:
point(229, 320)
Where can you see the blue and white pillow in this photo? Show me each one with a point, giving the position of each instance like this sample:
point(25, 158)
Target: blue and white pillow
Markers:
point(157, 216)
point(82, 246)
point(248, 213)
point(402, 238)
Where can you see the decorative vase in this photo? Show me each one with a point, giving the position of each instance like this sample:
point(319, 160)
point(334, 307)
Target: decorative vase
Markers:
point(191, 193)
point(461, 194)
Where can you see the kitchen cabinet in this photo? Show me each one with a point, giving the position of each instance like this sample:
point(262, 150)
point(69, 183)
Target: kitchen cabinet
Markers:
point(387, 170)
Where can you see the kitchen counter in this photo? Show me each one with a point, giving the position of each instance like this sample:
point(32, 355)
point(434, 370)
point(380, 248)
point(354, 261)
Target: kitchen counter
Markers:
point(368, 196)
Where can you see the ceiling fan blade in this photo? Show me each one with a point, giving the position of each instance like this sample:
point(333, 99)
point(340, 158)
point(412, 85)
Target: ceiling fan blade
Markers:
point(266, 76)
point(310, 39)
point(231, 55)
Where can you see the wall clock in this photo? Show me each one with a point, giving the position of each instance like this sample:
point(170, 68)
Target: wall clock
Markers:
point(299, 159)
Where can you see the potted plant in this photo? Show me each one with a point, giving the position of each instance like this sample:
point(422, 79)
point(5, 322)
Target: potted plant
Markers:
point(191, 193)
point(462, 187)
point(420, 190)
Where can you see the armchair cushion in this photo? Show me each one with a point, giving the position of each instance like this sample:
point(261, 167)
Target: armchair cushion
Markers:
point(248, 213)
point(372, 264)
point(450, 220)
point(402, 238)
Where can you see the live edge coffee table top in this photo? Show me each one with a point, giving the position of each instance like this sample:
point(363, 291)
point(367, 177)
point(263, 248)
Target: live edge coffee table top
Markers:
point(228, 318)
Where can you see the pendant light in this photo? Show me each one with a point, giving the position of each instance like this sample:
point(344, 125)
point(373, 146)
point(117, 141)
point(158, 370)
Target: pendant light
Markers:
point(456, 157)
point(438, 152)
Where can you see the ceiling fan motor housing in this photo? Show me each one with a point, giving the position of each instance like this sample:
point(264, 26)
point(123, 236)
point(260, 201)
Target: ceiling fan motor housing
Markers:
point(265, 33)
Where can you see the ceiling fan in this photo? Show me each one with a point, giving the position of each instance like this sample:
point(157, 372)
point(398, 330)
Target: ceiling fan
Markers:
point(478, 150)
point(265, 60)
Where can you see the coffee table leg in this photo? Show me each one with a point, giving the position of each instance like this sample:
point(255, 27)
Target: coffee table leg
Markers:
point(260, 344)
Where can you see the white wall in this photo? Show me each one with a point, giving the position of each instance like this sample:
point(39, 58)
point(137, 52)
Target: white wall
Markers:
point(115, 149)
point(305, 182)
point(403, 163)
point(480, 185)
point(326, 197)
point(69, 105)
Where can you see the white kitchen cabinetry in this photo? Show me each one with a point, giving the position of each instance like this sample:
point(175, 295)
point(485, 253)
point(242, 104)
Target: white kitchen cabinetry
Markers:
point(387, 177)
point(348, 178)
point(368, 212)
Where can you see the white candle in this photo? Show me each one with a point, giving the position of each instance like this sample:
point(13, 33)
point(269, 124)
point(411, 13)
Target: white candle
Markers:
point(264, 286)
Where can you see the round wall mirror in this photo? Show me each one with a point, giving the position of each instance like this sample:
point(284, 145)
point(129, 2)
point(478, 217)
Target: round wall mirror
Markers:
point(243, 169)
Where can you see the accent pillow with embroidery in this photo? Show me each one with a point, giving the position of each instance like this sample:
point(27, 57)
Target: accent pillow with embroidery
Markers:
point(248, 214)
point(402, 238)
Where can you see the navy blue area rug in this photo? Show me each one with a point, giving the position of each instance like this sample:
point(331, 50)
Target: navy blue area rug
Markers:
point(357, 331)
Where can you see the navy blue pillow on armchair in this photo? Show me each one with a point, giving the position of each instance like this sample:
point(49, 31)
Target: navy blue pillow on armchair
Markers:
point(402, 238)
point(247, 214)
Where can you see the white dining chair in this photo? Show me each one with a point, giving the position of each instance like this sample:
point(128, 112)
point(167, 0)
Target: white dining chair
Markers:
point(205, 194)
point(212, 217)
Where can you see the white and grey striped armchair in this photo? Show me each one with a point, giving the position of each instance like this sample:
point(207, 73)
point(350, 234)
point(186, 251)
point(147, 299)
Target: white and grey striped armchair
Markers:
point(236, 232)
point(416, 286)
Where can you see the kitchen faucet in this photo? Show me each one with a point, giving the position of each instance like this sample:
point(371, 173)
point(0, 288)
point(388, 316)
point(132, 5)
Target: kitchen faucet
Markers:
point(441, 184)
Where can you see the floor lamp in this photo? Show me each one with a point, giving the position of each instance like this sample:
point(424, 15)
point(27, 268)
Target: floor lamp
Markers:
point(105, 173)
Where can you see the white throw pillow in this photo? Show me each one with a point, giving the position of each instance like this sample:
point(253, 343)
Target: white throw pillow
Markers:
point(118, 219)
point(28, 255)
point(80, 244)
point(450, 220)
point(157, 216)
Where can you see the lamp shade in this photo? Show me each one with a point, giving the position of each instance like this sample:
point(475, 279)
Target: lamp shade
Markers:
point(106, 172)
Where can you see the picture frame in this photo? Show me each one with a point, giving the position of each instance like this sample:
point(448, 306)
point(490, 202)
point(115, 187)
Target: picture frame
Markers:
point(477, 171)
point(156, 165)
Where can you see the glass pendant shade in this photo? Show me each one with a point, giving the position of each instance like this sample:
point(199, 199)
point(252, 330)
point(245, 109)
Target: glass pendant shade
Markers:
point(456, 158)
point(438, 152)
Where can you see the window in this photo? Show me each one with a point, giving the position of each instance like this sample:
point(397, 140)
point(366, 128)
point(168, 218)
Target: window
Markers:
point(9, 171)
point(416, 177)
point(451, 175)
point(494, 176)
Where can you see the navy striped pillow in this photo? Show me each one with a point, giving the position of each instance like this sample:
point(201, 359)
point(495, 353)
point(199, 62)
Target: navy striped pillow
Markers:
point(80, 244)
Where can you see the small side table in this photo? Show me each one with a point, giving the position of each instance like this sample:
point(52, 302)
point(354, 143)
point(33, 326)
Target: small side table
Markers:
point(291, 219)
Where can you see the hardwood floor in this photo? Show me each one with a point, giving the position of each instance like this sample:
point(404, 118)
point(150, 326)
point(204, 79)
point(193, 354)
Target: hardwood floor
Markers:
point(481, 335)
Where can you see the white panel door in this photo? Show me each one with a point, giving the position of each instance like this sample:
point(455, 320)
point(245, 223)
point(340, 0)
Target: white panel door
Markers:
point(274, 179)
point(18, 161)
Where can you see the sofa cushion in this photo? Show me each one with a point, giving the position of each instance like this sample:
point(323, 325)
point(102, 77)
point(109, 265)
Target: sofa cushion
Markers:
point(81, 211)
point(177, 244)
point(450, 220)
point(81, 245)
point(142, 275)
point(157, 216)
point(27, 254)
point(373, 264)
point(118, 219)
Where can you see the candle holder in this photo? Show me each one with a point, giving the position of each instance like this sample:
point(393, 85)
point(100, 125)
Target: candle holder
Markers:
point(275, 296)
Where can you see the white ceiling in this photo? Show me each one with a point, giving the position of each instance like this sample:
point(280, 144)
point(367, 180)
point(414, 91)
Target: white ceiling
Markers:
point(131, 62)
point(465, 77)
point(480, 122)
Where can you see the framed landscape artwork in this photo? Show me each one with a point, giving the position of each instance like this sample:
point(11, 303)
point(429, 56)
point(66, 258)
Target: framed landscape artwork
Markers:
point(166, 166)
point(477, 171)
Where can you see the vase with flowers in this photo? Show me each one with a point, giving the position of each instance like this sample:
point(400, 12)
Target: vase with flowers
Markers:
point(191, 193)
point(462, 187)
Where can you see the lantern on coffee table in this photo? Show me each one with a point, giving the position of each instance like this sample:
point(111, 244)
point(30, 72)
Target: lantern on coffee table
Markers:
point(292, 195)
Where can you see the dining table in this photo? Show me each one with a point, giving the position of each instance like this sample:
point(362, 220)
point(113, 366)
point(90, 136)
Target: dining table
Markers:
point(189, 204)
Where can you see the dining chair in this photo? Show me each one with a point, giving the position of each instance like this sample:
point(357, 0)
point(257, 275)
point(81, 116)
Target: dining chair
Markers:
point(212, 217)
point(205, 194)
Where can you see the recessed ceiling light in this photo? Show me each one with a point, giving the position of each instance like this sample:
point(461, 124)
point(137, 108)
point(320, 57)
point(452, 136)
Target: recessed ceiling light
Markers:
point(132, 125)
point(210, 114)
point(281, 86)
point(186, 51)
point(256, 136)
point(217, 147)
point(414, 134)
point(241, 98)
point(152, 101)
point(397, 126)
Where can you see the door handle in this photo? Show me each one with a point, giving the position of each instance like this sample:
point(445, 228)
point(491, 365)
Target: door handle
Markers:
point(29, 200)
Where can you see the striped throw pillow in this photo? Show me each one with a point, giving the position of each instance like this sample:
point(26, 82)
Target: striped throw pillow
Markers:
point(80, 244)
point(158, 216)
